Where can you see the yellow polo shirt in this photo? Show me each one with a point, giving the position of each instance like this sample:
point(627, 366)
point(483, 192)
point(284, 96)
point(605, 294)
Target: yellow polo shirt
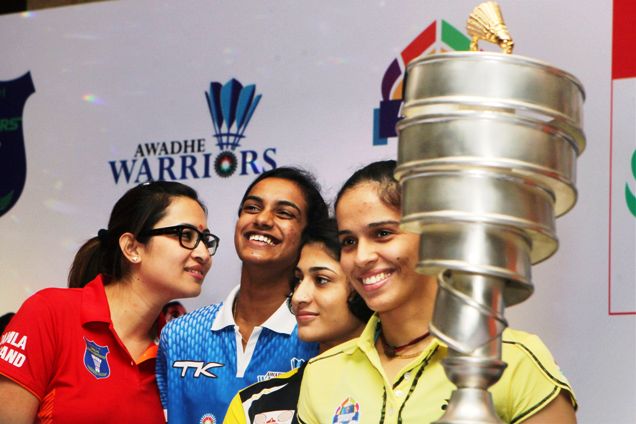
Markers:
point(347, 383)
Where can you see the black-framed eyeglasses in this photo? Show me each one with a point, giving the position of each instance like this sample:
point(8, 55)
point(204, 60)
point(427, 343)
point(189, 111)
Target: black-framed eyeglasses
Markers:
point(189, 236)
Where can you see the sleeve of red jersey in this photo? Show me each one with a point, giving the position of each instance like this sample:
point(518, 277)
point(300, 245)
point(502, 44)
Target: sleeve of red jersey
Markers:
point(27, 347)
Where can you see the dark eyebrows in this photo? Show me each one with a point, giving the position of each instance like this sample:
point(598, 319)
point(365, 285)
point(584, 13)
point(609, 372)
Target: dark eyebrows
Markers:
point(194, 227)
point(252, 197)
point(383, 223)
point(278, 203)
point(290, 204)
point(321, 268)
point(372, 225)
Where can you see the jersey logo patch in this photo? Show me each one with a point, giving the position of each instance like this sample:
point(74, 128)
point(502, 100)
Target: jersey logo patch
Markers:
point(207, 419)
point(274, 417)
point(95, 359)
point(200, 368)
point(348, 412)
point(268, 375)
point(296, 362)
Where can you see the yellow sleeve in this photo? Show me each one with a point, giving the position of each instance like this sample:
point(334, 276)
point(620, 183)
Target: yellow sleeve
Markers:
point(531, 380)
point(235, 413)
point(304, 411)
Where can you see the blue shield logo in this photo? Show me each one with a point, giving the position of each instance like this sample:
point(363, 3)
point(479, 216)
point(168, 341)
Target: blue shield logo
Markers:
point(13, 96)
point(95, 359)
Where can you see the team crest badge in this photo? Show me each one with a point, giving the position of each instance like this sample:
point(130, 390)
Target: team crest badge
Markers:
point(348, 412)
point(95, 359)
point(207, 419)
point(296, 362)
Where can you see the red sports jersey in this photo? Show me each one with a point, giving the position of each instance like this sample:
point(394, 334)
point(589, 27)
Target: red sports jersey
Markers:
point(62, 347)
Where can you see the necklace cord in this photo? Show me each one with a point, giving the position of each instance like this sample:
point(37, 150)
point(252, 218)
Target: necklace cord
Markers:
point(393, 351)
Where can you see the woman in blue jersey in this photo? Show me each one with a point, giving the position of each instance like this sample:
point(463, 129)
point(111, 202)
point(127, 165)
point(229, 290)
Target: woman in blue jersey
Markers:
point(208, 355)
point(327, 310)
point(393, 372)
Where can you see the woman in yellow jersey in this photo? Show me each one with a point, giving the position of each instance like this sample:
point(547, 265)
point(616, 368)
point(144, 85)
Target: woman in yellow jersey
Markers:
point(328, 311)
point(393, 373)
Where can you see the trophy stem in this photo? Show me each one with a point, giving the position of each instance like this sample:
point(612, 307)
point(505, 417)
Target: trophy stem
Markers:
point(470, 406)
point(473, 371)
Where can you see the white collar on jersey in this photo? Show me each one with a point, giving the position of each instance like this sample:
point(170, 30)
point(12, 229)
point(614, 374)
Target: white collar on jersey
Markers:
point(281, 321)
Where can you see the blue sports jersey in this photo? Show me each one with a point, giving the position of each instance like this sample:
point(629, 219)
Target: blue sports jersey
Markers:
point(200, 368)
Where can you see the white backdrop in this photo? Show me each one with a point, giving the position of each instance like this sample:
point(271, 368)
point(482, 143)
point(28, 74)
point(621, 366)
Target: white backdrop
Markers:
point(115, 75)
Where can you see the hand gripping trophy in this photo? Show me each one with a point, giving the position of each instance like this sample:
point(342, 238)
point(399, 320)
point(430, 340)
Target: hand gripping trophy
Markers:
point(486, 161)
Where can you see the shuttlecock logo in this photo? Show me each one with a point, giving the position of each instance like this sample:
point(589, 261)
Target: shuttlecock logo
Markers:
point(231, 106)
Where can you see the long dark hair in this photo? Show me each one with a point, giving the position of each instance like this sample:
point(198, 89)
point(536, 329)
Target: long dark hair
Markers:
point(317, 209)
point(325, 233)
point(380, 172)
point(138, 210)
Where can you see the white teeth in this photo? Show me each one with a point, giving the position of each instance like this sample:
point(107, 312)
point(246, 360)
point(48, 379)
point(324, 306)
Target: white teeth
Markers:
point(194, 270)
point(261, 238)
point(375, 278)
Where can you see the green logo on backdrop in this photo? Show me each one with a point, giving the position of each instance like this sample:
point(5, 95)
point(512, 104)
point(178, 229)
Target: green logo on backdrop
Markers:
point(629, 196)
point(11, 124)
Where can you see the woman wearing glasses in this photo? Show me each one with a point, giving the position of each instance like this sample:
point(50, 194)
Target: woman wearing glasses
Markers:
point(88, 353)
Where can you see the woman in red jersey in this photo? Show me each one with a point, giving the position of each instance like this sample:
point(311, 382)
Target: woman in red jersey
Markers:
point(87, 353)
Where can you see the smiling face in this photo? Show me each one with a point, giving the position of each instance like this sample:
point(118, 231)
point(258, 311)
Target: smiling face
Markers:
point(270, 223)
point(170, 269)
point(378, 258)
point(320, 299)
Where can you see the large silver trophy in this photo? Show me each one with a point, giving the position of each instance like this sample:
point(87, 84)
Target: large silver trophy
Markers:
point(487, 159)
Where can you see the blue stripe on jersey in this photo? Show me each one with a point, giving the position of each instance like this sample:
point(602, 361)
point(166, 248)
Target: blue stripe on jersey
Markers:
point(196, 367)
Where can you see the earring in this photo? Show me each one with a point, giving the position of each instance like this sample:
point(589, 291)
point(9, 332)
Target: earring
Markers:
point(135, 259)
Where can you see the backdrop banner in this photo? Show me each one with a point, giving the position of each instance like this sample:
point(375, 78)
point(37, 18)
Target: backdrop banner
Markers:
point(97, 98)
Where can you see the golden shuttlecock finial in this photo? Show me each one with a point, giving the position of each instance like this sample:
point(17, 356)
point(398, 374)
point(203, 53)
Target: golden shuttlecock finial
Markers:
point(486, 23)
